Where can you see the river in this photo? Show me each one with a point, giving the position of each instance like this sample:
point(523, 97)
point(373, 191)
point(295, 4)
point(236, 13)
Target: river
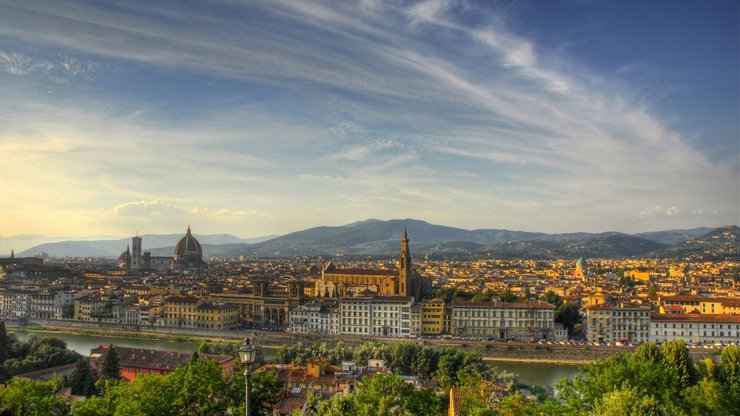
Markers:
point(542, 374)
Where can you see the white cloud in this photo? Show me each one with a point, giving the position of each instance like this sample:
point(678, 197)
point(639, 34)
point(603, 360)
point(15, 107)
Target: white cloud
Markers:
point(504, 132)
point(145, 208)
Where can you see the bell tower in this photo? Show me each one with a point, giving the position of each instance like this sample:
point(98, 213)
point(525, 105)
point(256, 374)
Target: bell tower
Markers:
point(404, 272)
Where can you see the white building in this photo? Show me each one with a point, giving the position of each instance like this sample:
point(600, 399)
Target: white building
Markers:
point(6, 304)
point(695, 328)
point(317, 318)
point(388, 316)
point(627, 322)
point(521, 321)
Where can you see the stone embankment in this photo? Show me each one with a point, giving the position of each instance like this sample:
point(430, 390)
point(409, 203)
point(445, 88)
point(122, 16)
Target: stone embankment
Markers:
point(503, 351)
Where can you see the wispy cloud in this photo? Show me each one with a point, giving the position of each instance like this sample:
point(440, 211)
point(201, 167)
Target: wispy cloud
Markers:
point(290, 107)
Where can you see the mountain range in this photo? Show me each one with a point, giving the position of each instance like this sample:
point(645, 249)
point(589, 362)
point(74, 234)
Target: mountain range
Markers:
point(381, 238)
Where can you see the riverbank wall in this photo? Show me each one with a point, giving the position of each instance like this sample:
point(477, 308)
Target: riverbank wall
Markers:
point(491, 351)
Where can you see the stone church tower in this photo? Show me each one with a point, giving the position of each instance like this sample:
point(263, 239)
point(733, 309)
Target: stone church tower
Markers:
point(404, 270)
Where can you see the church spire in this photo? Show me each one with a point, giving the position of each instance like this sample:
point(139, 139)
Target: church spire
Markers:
point(12, 254)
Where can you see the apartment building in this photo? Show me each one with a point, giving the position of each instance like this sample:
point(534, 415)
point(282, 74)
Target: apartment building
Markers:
point(315, 318)
point(194, 312)
point(695, 328)
point(626, 322)
point(433, 317)
point(376, 315)
point(521, 321)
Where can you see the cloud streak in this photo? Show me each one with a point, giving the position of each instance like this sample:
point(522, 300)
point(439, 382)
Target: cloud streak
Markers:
point(280, 115)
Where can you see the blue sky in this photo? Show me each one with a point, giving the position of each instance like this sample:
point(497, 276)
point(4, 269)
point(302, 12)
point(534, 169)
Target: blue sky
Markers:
point(265, 117)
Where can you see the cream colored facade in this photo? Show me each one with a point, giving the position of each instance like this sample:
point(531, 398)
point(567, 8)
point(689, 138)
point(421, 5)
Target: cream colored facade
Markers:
point(521, 321)
point(614, 323)
point(388, 316)
point(707, 329)
point(315, 319)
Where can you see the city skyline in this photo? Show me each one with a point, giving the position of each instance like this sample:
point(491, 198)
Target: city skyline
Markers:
point(270, 117)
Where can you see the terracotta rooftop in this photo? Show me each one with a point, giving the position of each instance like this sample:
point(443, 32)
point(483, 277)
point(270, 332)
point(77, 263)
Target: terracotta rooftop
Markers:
point(364, 272)
point(182, 299)
point(506, 305)
point(156, 359)
point(717, 318)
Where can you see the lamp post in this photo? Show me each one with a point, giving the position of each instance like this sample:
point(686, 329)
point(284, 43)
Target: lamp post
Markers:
point(247, 353)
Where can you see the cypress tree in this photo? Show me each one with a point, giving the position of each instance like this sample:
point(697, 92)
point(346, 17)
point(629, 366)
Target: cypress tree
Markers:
point(4, 343)
point(110, 368)
point(81, 380)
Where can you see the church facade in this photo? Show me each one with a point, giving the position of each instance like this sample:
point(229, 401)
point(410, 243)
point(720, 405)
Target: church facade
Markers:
point(338, 282)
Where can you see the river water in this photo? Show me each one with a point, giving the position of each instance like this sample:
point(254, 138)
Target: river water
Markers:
point(529, 373)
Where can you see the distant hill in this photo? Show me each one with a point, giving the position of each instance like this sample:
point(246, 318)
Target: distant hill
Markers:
point(671, 237)
point(112, 248)
point(719, 244)
point(382, 238)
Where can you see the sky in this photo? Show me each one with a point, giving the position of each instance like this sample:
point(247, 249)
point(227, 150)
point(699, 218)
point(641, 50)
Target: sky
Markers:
point(266, 117)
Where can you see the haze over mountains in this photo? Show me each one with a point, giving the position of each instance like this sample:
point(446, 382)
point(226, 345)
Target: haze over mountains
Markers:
point(377, 237)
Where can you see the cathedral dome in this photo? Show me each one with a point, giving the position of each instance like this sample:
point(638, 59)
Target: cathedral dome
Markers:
point(124, 260)
point(581, 263)
point(188, 252)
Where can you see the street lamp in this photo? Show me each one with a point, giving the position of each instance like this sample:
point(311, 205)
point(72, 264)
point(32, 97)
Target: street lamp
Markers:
point(247, 353)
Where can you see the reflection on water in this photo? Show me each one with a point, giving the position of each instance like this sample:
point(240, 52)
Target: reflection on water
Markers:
point(541, 374)
point(529, 373)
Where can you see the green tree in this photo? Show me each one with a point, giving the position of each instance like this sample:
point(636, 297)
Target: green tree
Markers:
point(93, 406)
point(81, 381)
point(627, 402)
point(367, 351)
point(454, 363)
point(647, 352)
point(730, 365)
point(484, 296)
point(199, 389)
point(152, 395)
point(425, 362)
point(676, 355)
point(267, 390)
point(653, 292)
point(507, 296)
point(341, 405)
point(552, 298)
point(401, 356)
point(5, 343)
point(729, 371)
point(569, 315)
point(110, 366)
point(22, 397)
point(388, 394)
point(473, 398)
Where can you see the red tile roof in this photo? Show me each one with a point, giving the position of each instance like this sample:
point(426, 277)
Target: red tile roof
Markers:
point(506, 305)
point(709, 318)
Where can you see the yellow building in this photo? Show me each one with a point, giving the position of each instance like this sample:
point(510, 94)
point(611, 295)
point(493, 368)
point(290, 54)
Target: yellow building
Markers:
point(193, 312)
point(433, 317)
point(703, 305)
point(638, 276)
point(211, 315)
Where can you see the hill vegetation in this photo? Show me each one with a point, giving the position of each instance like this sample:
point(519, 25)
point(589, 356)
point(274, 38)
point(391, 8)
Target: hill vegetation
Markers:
point(382, 238)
